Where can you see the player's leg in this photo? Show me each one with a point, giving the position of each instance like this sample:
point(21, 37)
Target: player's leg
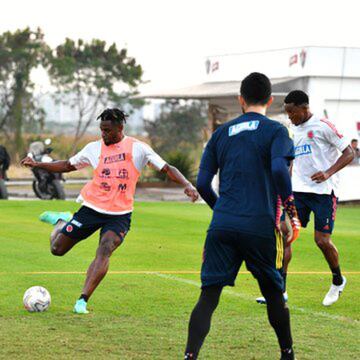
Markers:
point(112, 235)
point(66, 234)
point(200, 320)
point(279, 317)
point(304, 216)
point(324, 208)
point(264, 258)
point(109, 242)
point(221, 263)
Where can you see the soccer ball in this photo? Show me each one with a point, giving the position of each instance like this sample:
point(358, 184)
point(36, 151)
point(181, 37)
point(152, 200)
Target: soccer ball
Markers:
point(36, 299)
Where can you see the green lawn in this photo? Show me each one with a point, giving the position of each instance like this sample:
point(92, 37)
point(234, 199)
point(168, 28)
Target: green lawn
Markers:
point(141, 309)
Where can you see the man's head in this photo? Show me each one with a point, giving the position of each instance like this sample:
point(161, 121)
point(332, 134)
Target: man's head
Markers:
point(354, 144)
point(296, 106)
point(112, 125)
point(255, 90)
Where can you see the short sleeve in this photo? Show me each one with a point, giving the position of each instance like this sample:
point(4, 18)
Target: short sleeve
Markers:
point(333, 136)
point(209, 160)
point(83, 158)
point(282, 145)
point(145, 155)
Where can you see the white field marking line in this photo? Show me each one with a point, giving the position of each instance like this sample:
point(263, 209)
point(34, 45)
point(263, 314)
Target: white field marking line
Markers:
point(151, 272)
point(250, 298)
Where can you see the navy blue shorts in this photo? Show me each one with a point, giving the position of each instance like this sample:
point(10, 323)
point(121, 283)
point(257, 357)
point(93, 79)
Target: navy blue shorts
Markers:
point(322, 205)
point(225, 251)
point(86, 221)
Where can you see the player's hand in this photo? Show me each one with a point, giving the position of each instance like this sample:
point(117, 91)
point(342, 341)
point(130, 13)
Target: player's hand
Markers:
point(295, 224)
point(191, 192)
point(295, 230)
point(28, 162)
point(320, 176)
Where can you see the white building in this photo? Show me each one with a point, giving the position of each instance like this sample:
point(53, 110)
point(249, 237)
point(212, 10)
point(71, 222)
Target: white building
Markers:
point(329, 75)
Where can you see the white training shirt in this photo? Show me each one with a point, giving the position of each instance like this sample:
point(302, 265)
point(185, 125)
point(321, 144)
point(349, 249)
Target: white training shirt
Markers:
point(142, 154)
point(317, 147)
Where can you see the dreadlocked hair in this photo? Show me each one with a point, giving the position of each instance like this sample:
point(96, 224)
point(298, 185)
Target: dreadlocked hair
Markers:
point(114, 115)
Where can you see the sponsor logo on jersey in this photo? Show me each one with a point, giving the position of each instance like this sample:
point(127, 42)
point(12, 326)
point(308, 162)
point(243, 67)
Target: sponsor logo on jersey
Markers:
point(105, 172)
point(246, 126)
point(123, 174)
point(105, 186)
point(114, 158)
point(122, 187)
point(310, 134)
point(303, 150)
point(76, 223)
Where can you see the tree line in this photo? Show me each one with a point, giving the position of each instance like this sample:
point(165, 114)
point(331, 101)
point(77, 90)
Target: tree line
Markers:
point(85, 76)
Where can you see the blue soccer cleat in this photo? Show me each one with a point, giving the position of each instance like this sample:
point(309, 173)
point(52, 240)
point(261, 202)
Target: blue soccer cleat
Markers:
point(80, 307)
point(52, 217)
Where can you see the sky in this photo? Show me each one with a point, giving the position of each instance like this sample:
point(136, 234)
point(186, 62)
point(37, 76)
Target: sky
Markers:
point(171, 38)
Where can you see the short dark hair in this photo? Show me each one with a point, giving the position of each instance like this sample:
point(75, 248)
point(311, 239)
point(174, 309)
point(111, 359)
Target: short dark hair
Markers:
point(354, 140)
point(297, 97)
point(114, 115)
point(256, 89)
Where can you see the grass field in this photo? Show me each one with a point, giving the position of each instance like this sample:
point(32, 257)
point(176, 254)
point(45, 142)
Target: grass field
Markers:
point(141, 309)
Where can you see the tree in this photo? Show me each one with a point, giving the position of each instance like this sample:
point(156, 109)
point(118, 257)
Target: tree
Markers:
point(20, 53)
point(90, 76)
point(178, 127)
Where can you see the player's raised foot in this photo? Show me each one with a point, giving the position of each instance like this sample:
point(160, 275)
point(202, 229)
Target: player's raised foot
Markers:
point(80, 307)
point(261, 299)
point(52, 217)
point(334, 293)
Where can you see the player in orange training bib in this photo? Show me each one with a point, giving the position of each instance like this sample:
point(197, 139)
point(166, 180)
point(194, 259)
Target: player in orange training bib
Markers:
point(107, 200)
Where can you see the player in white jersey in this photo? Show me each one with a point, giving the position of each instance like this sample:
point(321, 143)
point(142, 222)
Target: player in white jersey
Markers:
point(318, 146)
point(320, 152)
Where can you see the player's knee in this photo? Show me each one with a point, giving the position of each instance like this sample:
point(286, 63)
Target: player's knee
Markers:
point(107, 245)
point(322, 241)
point(56, 250)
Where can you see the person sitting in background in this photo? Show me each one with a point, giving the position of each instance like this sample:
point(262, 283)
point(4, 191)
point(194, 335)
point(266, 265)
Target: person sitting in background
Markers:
point(354, 145)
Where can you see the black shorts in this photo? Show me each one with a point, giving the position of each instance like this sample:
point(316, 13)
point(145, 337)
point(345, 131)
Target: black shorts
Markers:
point(323, 206)
point(225, 251)
point(86, 221)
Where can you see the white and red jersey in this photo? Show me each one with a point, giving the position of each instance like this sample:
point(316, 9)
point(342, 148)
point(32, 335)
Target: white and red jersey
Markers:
point(317, 147)
point(116, 171)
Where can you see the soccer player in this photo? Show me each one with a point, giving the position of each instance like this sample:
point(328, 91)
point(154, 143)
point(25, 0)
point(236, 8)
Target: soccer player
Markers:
point(315, 180)
point(252, 153)
point(107, 200)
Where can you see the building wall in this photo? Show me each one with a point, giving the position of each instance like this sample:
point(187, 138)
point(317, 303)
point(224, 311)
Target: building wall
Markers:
point(339, 99)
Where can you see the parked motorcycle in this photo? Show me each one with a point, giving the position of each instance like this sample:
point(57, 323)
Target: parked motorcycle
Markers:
point(46, 185)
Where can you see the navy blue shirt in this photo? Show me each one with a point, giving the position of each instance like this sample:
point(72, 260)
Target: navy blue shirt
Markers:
point(242, 149)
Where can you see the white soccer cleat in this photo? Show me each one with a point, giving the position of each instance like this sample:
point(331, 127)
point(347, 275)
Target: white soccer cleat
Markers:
point(261, 299)
point(334, 293)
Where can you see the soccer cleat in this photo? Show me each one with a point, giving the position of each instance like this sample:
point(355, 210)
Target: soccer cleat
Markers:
point(334, 293)
point(261, 299)
point(80, 307)
point(52, 217)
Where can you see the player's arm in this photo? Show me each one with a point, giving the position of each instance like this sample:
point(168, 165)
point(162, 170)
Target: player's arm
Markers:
point(175, 175)
point(346, 158)
point(282, 179)
point(59, 166)
point(282, 153)
point(203, 184)
point(207, 170)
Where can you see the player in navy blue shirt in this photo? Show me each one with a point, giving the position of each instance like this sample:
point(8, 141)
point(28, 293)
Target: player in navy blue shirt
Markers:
point(252, 154)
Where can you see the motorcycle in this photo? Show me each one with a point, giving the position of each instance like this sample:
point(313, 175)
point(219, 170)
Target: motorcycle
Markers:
point(46, 185)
